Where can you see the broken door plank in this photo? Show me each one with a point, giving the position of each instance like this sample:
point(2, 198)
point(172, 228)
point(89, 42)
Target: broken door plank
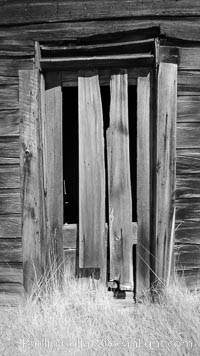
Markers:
point(91, 174)
point(166, 149)
point(119, 184)
point(143, 184)
point(53, 173)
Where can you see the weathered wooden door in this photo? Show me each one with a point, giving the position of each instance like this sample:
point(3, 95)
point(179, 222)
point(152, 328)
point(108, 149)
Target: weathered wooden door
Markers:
point(122, 231)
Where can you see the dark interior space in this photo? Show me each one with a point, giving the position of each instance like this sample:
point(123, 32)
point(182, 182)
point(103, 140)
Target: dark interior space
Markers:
point(132, 113)
point(105, 98)
point(70, 148)
point(70, 154)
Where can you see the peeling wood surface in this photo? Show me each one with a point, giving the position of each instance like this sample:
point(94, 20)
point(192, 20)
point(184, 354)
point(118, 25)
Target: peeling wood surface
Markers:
point(91, 174)
point(188, 108)
point(119, 184)
point(40, 12)
point(143, 185)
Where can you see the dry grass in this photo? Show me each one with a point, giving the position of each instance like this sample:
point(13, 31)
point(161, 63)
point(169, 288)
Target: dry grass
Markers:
point(82, 319)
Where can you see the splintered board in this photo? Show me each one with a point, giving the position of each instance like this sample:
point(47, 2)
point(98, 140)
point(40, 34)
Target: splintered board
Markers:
point(119, 184)
point(91, 173)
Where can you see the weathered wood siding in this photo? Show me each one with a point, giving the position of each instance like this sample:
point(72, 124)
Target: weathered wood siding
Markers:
point(22, 24)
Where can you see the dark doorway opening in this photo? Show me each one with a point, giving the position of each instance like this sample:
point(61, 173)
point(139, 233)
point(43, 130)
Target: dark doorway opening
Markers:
point(70, 155)
point(70, 149)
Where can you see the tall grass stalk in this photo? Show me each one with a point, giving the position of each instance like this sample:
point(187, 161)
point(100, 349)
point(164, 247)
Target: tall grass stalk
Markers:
point(82, 318)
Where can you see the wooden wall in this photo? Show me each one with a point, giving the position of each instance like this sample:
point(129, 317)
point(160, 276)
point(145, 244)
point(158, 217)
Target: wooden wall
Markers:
point(24, 22)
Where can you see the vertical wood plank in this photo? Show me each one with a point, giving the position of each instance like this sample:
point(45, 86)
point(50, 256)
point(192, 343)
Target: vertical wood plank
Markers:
point(119, 184)
point(143, 185)
point(165, 166)
point(53, 168)
point(91, 174)
point(32, 193)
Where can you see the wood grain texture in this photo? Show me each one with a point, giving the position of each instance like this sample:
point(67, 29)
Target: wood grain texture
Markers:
point(9, 97)
point(91, 174)
point(16, 48)
point(32, 194)
point(188, 109)
point(143, 185)
point(53, 166)
point(119, 184)
point(10, 226)
point(187, 256)
point(188, 187)
point(9, 147)
point(166, 146)
point(187, 162)
point(10, 67)
point(184, 28)
point(188, 232)
point(9, 122)
point(10, 250)
point(188, 210)
point(188, 135)
point(187, 58)
point(9, 177)
point(11, 273)
point(10, 201)
point(189, 83)
point(8, 80)
point(40, 12)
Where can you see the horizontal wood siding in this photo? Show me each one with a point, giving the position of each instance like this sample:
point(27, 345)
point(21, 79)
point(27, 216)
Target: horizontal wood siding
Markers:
point(187, 250)
point(51, 11)
point(11, 273)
